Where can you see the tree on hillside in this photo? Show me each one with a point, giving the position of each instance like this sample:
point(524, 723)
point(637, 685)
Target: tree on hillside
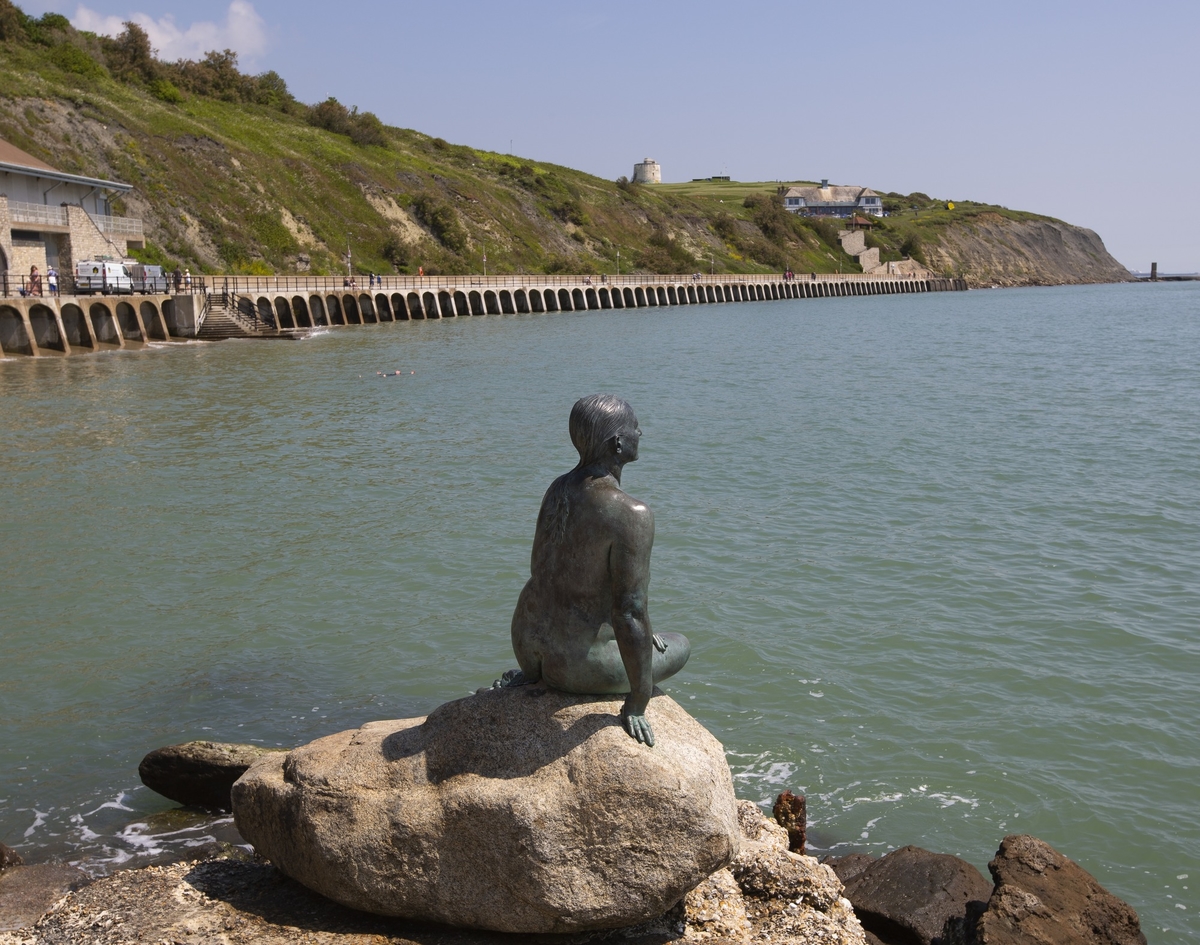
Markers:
point(130, 56)
point(12, 22)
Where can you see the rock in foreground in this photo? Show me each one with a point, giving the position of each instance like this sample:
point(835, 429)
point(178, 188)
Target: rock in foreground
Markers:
point(198, 774)
point(910, 894)
point(779, 899)
point(1043, 898)
point(517, 810)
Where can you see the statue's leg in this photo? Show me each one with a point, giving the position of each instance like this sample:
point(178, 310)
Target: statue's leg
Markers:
point(669, 663)
point(602, 672)
point(599, 672)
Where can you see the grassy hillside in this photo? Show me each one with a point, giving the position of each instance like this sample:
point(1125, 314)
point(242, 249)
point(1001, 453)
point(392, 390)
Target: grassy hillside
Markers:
point(232, 174)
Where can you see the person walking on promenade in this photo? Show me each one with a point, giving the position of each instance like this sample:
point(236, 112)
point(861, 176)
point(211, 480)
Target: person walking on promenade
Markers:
point(421, 271)
point(52, 280)
point(187, 279)
point(178, 277)
point(35, 281)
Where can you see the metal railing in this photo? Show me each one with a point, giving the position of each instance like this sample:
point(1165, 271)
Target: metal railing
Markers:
point(118, 226)
point(367, 284)
point(246, 286)
point(20, 285)
point(36, 213)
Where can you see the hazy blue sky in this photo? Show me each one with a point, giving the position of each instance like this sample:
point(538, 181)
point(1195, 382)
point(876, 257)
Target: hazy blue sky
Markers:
point(1084, 111)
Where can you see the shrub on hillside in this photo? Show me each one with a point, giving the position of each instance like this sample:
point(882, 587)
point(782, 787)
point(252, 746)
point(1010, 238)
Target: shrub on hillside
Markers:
point(366, 128)
point(769, 215)
point(164, 90)
point(71, 58)
point(571, 211)
point(911, 247)
point(665, 254)
point(396, 251)
point(725, 225)
point(361, 127)
point(827, 230)
point(216, 76)
point(442, 221)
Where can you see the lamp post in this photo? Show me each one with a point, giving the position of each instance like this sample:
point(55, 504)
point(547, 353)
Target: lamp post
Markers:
point(712, 265)
point(485, 260)
point(349, 271)
point(618, 262)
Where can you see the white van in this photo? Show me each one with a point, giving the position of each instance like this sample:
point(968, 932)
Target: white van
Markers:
point(104, 276)
point(149, 280)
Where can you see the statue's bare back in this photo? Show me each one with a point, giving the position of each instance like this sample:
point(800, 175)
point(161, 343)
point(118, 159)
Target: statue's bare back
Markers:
point(581, 623)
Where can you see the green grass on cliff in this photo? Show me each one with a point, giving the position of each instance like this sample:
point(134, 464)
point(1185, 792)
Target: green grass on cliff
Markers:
point(238, 179)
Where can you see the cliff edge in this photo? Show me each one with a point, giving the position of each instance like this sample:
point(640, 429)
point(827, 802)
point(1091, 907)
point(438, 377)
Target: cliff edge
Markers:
point(994, 251)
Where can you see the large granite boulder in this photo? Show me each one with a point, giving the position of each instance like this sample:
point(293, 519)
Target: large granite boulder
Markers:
point(909, 895)
point(198, 774)
point(1043, 898)
point(517, 810)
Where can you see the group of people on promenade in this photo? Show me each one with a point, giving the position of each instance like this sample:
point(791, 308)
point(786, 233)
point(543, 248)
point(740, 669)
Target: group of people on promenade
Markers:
point(33, 287)
point(350, 282)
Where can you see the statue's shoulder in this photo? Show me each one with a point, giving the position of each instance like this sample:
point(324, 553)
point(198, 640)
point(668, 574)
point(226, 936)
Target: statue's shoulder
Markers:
point(633, 512)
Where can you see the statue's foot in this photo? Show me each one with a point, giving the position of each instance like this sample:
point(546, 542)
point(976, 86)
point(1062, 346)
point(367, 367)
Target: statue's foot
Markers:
point(513, 678)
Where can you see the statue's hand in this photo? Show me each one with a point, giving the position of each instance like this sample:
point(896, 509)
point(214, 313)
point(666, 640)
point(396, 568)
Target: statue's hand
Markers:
point(638, 728)
point(659, 643)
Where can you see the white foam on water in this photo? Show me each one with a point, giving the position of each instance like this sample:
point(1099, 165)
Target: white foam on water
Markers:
point(114, 804)
point(39, 820)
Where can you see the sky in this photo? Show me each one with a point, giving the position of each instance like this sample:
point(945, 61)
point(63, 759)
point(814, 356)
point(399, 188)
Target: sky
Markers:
point(1082, 111)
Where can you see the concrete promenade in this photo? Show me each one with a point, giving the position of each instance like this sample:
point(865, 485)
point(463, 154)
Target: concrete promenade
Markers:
point(284, 306)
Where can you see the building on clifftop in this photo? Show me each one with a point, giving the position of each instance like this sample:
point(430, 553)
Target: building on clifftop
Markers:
point(831, 200)
point(648, 172)
point(51, 218)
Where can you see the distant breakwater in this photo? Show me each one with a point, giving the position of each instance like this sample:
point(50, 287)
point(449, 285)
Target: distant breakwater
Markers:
point(218, 307)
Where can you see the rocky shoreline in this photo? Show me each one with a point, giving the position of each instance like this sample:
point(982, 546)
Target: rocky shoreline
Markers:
point(770, 894)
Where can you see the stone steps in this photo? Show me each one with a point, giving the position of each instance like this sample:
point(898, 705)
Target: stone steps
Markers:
point(222, 321)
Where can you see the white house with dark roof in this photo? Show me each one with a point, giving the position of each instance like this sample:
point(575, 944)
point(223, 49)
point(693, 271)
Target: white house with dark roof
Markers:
point(51, 218)
point(832, 200)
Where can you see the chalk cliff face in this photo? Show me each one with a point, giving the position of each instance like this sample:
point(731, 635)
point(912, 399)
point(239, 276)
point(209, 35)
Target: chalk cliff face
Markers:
point(994, 251)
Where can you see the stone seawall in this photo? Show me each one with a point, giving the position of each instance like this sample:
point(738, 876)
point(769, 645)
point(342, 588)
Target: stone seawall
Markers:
point(280, 307)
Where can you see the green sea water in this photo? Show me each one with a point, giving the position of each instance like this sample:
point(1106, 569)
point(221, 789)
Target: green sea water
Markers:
point(938, 557)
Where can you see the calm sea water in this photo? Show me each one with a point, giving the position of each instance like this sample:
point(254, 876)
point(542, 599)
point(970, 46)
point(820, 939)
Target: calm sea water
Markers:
point(938, 555)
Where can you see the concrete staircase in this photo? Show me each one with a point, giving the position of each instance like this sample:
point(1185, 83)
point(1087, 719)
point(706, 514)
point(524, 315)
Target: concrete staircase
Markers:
point(222, 319)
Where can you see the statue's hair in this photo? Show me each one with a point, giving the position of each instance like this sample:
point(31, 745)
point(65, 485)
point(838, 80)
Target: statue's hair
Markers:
point(594, 421)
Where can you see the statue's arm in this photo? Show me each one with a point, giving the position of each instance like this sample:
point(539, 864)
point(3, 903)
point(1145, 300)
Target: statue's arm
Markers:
point(629, 564)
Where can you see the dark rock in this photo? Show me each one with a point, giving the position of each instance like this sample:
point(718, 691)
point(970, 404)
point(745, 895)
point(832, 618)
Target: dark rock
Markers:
point(791, 815)
point(28, 892)
point(1043, 898)
point(198, 774)
point(909, 895)
point(8, 858)
point(848, 866)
